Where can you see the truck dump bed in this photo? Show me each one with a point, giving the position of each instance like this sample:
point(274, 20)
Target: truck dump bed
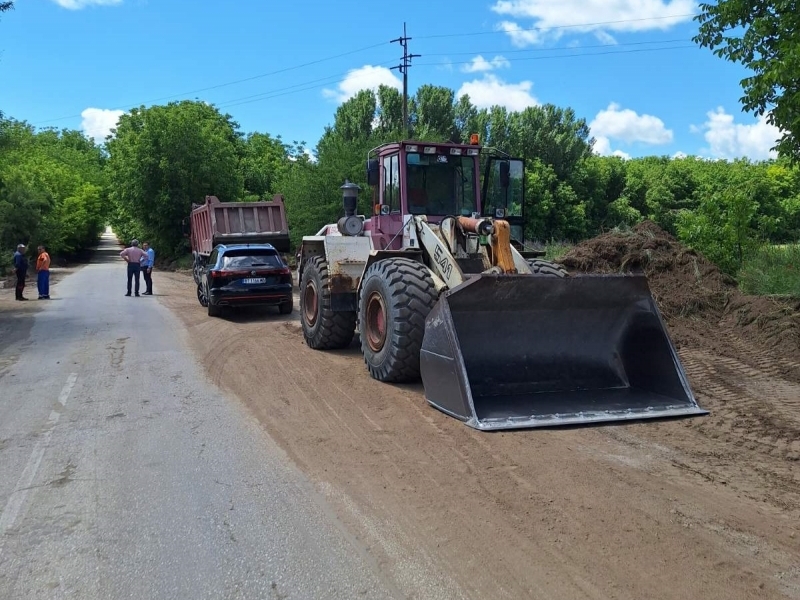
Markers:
point(218, 222)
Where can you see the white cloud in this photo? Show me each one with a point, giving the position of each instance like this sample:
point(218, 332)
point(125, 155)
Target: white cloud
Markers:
point(520, 37)
point(679, 154)
point(363, 78)
point(491, 91)
point(602, 146)
point(78, 4)
point(628, 126)
point(729, 140)
point(605, 37)
point(98, 122)
point(553, 19)
point(480, 64)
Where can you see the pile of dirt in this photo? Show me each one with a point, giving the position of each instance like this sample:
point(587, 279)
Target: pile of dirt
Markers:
point(701, 304)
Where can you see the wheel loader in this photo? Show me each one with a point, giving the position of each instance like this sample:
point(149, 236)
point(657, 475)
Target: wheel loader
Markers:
point(439, 285)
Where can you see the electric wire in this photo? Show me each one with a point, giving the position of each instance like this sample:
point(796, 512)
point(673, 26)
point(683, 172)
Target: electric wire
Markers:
point(229, 83)
point(284, 91)
point(594, 24)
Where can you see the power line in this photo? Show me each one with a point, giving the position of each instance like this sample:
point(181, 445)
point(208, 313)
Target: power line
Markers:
point(290, 89)
point(541, 28)
point(315, 83)
point(372, 46)
point(229, 83)
point(581, 55)
point(557, 48)
point(328, 80)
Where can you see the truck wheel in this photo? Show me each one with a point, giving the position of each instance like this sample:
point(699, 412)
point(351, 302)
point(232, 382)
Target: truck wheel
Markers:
point(546, 268)
point(197, 267)
point(323, 328)
point(396, 296)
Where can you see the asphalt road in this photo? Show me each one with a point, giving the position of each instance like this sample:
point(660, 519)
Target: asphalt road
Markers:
point(124, 473)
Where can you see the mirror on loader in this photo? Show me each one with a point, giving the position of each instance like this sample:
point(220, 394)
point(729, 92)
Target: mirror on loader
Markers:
point(373, 173)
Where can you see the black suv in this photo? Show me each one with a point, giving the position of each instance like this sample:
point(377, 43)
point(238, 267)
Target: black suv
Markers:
point(245, 275)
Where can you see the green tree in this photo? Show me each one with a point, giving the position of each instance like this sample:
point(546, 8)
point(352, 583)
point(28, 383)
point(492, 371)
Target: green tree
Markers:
point(764, 37)
point(263, 159)
point(164, 158)
point(52, 188)
point(434, 114)
point(390, 113)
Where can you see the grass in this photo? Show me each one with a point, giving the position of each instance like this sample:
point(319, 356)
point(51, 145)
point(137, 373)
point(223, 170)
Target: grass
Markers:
point(184, 262)
point(555, 250)
point(772, 270)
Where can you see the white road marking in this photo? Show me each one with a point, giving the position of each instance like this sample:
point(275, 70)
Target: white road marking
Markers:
point(20, 494)
point(62, 397)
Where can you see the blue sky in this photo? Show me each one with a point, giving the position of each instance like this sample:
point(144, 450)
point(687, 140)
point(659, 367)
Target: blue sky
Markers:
point(627, 66)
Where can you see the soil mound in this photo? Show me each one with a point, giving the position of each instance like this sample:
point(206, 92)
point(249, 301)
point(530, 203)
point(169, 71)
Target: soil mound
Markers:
point(701, 304)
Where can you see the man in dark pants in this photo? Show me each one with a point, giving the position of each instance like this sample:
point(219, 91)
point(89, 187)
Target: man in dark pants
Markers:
point(147, 268)
point(133, 256)
point(21, 270)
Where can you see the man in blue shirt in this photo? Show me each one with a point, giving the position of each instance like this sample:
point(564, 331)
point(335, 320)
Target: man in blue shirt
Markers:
point(20, 269)
point(148, 260)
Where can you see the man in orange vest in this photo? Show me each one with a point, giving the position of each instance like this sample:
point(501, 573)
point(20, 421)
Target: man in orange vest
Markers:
point(43, 273)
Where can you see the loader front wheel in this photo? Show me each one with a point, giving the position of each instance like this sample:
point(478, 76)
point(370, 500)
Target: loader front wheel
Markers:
point(546, 268)
point(323, 328)
point(396, 296)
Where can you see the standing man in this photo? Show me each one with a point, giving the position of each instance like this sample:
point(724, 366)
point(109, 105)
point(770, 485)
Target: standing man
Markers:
point(133, 256)
point(43, 273)
point(20, 270)
point(147, 267)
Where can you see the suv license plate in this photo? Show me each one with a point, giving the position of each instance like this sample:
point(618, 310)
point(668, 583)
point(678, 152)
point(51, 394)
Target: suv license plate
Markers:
point(255, 280)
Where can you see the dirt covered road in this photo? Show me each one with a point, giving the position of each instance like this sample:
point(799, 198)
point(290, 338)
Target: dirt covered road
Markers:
point(701, 508)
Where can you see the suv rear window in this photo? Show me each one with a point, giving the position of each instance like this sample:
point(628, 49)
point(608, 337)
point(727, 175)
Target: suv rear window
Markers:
point(246, 258)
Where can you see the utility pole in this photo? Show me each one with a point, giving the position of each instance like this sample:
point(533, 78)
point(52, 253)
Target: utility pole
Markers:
point(403, 67)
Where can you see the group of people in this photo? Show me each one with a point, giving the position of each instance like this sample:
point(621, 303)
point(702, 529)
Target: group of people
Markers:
point(42, 272)
point(140, 261)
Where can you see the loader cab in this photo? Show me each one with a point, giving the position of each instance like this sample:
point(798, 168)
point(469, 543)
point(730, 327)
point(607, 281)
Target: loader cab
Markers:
point(421, 178)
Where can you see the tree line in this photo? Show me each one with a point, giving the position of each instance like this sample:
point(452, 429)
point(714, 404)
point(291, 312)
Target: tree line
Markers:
point(60, 188)
point(53, 189)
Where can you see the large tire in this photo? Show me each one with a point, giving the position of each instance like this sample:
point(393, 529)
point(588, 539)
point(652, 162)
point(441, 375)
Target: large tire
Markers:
point(396, 296)
point(201, 296)
point(197, 267)
point(323, 328)
point(546, 268)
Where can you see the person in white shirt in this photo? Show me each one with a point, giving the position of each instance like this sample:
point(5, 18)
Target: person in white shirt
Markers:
point(133, 256)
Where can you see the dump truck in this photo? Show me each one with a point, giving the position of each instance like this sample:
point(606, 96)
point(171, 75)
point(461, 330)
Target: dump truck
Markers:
point(438, 284)
point(215, 222)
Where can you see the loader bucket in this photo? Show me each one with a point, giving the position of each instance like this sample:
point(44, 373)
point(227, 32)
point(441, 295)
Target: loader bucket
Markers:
point(518, 351)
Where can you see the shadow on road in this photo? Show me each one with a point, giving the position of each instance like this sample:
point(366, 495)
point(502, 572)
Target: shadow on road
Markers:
point(255, 314)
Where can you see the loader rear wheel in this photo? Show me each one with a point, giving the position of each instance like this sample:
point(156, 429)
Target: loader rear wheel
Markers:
point(546, 268)
point(396, 296)
point(323, 328)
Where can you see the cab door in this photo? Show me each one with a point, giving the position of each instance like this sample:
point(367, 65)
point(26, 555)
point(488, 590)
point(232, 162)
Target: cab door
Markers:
point(503, 193)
